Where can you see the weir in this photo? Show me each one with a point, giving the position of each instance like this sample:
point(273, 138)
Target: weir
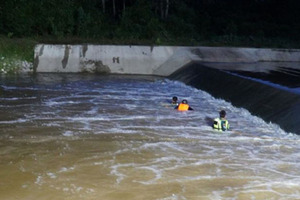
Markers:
point(228, 73)
point(270, 103)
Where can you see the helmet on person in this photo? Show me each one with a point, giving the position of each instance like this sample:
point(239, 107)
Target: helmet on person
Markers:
point(174, 98)
point(184, 101)
point(222, 113)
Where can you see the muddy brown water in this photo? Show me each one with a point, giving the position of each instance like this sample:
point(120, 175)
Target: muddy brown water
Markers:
point(117, 137)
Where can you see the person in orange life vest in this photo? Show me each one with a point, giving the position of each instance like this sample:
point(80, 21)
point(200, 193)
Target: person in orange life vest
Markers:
point(183, 106)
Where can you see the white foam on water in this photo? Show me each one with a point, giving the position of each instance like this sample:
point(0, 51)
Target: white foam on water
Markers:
point(51, 175)
point(39, 180)
point(54, 103)
point(14, 121)
point(106, 118)
point(69, 134)
point(173, 197)
point(93, 111)
point(115, 171)
point(17, 98)
point(66, 169)
point(156, 172)
point(163, 139)
point(51, 124)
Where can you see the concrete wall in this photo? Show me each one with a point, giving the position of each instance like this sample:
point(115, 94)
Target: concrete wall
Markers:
point(101, 58)
point(148, 60)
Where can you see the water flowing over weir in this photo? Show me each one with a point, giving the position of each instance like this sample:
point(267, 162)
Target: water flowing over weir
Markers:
point(197, 66)
point(272, 102)
point(72, 136)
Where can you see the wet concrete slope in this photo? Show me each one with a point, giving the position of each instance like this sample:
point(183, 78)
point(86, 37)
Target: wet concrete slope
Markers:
point(280, 105)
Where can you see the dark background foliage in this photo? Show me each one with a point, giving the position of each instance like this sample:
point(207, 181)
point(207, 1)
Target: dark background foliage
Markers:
point(192, 22)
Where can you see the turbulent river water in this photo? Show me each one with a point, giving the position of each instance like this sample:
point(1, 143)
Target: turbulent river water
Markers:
point(71, 136)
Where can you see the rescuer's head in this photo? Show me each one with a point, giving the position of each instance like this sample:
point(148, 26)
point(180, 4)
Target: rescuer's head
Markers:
point(222, 113)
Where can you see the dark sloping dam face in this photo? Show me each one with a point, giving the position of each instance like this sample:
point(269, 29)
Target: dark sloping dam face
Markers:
point(270, 103)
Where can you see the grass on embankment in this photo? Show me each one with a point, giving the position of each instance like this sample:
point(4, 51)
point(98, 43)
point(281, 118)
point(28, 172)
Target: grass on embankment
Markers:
point(15, 53)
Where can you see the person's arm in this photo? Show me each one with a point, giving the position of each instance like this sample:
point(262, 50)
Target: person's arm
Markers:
point(214, 124)
point(190, 108)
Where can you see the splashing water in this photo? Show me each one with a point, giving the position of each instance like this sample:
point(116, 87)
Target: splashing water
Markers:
point(118, 137)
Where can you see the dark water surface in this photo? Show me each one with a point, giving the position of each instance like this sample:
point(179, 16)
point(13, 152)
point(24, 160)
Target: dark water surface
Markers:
point(70, 136)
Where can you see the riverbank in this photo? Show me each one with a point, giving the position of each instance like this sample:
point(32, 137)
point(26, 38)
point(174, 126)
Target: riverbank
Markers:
point(16, 54)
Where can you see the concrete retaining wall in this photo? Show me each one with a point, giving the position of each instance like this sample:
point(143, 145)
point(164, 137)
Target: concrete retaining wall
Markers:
point(147, 60)
point(101, 58)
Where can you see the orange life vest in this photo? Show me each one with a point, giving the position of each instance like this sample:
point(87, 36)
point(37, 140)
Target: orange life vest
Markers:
point(183, 107)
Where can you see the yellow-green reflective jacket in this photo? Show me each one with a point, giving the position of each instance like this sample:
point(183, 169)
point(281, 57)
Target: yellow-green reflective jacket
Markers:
point(220, 124)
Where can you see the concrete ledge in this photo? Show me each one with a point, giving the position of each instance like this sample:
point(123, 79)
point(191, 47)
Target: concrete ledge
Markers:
point(147, 60)
point(101, 58)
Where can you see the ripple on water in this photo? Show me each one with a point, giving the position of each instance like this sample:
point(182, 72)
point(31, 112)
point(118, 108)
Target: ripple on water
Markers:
point(112, 137)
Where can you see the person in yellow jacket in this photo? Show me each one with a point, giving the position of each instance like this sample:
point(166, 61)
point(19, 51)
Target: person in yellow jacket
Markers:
point(221, 124)
point(183, 106)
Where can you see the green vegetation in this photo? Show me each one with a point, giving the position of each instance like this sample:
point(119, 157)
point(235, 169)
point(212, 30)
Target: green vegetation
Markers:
point(247, 23)
point(15, 53)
